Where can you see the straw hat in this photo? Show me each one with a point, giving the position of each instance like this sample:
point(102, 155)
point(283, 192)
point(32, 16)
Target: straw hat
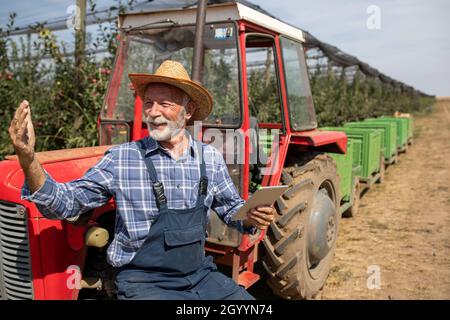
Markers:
point(173, 73)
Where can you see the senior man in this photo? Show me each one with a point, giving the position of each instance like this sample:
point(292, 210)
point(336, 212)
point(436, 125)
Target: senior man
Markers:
point(163, 186)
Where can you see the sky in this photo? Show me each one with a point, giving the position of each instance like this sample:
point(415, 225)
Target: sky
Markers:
point(412, 43)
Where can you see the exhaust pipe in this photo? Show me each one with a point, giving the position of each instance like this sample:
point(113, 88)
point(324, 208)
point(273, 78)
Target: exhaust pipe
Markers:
point(197, 59)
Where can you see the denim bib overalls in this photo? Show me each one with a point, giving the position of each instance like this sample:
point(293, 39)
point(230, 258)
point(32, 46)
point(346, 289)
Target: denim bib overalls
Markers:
point(171, 263)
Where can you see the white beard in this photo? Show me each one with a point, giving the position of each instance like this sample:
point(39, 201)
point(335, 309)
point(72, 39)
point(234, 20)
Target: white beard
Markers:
point(172, 128)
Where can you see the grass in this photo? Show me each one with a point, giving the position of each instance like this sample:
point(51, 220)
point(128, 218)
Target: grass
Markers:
point(338, 276)
point(417, 132)
point(356, 238)
point(378, 225)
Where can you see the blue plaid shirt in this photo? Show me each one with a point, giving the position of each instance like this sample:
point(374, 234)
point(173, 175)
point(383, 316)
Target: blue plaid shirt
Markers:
point(122, 174)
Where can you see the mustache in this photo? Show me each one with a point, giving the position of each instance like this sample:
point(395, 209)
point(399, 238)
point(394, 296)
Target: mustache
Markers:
point(159, 120)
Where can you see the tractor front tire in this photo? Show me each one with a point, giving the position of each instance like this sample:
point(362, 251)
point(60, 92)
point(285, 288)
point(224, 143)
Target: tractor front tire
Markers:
point(300, 244)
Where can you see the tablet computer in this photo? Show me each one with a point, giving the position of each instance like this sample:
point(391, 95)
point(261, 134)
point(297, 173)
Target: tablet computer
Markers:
point(264, 196)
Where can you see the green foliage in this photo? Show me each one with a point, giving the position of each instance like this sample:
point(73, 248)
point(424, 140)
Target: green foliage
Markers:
point(64, 104)
point(338, 100)
point(222, 83)
point(263, 95)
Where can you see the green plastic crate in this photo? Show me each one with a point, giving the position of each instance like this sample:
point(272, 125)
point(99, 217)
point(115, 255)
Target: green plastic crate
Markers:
point(370, 148)
point(402, 128)
point(344, 164)
point(410, 122)
point(266, 141)
point(405, 123)
point(390, 135)
point(357, 157)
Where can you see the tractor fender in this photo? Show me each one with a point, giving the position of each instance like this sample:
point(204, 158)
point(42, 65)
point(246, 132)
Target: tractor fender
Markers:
point(306, 141)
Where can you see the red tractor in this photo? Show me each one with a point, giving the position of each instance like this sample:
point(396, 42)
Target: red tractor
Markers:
point(255, 68)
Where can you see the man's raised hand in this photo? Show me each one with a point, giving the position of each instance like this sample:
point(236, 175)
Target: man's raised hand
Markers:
point(21, 131)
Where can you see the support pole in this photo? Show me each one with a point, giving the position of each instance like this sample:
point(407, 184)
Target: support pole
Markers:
point(197, 60)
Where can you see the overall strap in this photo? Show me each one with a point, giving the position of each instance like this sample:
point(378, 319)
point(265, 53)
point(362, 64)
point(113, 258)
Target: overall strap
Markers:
point(158, 188)
point(203, 185)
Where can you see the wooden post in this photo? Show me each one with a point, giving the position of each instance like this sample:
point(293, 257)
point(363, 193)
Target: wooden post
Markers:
point(80, 33)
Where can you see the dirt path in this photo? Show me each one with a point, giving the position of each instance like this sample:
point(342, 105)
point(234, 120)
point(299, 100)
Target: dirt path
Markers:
point(403, 226)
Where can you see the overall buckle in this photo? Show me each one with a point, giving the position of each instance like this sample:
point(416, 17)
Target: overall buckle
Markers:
point(203, 186)
point(158, 189)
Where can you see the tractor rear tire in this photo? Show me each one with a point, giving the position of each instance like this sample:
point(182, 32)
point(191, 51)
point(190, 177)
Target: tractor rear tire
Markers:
point(300, 244)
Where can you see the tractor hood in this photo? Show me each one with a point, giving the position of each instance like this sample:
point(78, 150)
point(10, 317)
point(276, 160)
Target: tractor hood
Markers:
point(62, 165)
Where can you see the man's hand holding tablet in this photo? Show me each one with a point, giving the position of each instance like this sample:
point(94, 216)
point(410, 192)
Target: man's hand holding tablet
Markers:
point(258, 211)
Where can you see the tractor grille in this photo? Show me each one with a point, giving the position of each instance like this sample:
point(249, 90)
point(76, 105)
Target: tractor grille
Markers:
point(15, 266)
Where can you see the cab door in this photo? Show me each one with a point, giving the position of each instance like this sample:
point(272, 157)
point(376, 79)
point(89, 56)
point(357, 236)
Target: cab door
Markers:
point(265, 109)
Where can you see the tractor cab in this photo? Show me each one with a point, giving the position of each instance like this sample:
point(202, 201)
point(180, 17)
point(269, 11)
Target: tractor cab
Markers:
point(253, 65)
